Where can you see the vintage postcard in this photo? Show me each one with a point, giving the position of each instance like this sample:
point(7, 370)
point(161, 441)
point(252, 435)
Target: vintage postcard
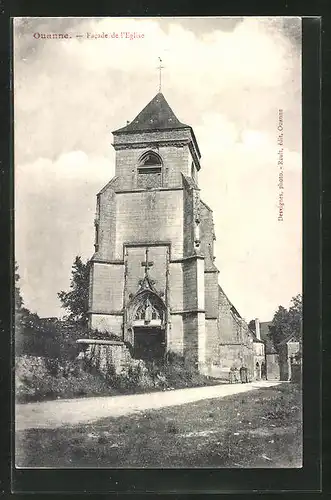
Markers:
point(158, 255)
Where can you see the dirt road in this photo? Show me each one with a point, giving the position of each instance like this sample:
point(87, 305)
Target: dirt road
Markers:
point(52, 414)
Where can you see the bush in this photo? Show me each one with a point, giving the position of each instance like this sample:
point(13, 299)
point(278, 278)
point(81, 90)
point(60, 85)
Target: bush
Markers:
point(53, 338)
point(39, 378)
point(296, 375)
point(176, 373)
point(34, 381)
point(136, 378)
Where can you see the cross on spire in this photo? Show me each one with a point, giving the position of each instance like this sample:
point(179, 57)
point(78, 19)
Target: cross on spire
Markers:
point(146, 263)
point(160, 67)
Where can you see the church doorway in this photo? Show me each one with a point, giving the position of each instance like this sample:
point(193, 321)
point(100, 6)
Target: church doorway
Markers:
point(147, 314)
point(149, 343)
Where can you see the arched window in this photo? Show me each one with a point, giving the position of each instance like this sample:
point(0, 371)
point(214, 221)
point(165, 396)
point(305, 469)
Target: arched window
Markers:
point(149, 171)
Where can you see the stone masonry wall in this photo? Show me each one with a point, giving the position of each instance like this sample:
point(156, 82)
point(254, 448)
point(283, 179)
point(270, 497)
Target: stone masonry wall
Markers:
point(190, 331)
point(207, 236)
point(212, 342)
point(236, 344)
point(150, 216)
point(188, 221)
point(135, 271)
point(174, 161)
point(190, 295)
point(211, 294)
point(108, 357)
point(106, 207)
point(175, 341)
point(230, 328)
point(206, 329)
point(176, 286)
point(106, 297)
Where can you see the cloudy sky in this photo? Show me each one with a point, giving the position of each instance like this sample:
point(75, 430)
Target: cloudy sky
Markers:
point(227, 77)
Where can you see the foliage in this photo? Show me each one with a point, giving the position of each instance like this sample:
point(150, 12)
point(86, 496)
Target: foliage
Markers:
point(96, 334)
point(21, 313)
point(38, 378)
point(75, 301)
point(18, 297)
point(48, 337)
point(25, 321)
point(42, 377)
point(287, 322)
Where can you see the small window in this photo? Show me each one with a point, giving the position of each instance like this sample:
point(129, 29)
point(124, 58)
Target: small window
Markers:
point(150, 171)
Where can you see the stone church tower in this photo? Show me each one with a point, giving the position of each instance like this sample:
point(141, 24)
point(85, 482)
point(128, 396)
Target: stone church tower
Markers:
point(153, 280)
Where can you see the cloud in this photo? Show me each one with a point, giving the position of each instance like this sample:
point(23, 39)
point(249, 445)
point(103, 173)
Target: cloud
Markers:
point(258, 256)
point(54, 214)
point(70, 93)
point(227, 83)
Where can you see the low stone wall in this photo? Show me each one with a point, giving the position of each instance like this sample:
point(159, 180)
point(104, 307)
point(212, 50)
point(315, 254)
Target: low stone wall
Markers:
point(38, 378)
point(217, 371)
point(106, 355)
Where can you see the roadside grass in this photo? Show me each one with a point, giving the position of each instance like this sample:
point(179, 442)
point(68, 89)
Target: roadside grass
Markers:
point(261, 428)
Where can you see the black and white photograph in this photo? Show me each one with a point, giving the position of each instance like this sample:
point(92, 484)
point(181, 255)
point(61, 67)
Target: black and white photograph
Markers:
point(158, 242)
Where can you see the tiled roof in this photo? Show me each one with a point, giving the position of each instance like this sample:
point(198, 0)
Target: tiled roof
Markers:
point(156, 115)
point(292, 337)
point(255, 339)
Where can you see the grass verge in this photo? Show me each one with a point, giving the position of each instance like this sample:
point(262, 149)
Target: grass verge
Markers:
point(261, 428)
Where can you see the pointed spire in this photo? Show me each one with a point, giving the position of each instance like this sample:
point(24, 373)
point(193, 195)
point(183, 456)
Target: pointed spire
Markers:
point(157, 115)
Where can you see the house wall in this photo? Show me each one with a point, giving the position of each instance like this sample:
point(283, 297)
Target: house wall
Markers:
point(273, 372)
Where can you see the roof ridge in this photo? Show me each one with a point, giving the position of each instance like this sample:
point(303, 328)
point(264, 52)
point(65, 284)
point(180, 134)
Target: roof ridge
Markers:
point(157, 114)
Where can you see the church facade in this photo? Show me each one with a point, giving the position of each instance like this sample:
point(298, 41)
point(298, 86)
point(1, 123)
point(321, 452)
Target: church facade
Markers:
point(153, 279)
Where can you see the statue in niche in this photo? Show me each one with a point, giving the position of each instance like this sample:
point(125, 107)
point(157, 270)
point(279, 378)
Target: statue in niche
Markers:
point(147, 312)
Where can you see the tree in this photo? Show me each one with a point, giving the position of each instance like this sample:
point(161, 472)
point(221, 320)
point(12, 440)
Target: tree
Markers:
point(48, 337)
point(21, 312)
point(287, 322)
point(18, 296)
point(76, 300)
point(26, 323)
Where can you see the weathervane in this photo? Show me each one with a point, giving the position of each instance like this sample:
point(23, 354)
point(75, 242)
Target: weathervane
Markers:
point(160, 67)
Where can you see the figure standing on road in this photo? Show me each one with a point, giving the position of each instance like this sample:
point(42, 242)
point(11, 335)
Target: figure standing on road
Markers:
point(233, 375)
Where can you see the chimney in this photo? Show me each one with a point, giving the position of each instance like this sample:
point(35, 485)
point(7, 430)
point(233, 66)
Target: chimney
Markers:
point(257, 328)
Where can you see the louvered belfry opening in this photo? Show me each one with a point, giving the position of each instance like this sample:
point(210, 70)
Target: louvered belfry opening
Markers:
point(150, 171)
